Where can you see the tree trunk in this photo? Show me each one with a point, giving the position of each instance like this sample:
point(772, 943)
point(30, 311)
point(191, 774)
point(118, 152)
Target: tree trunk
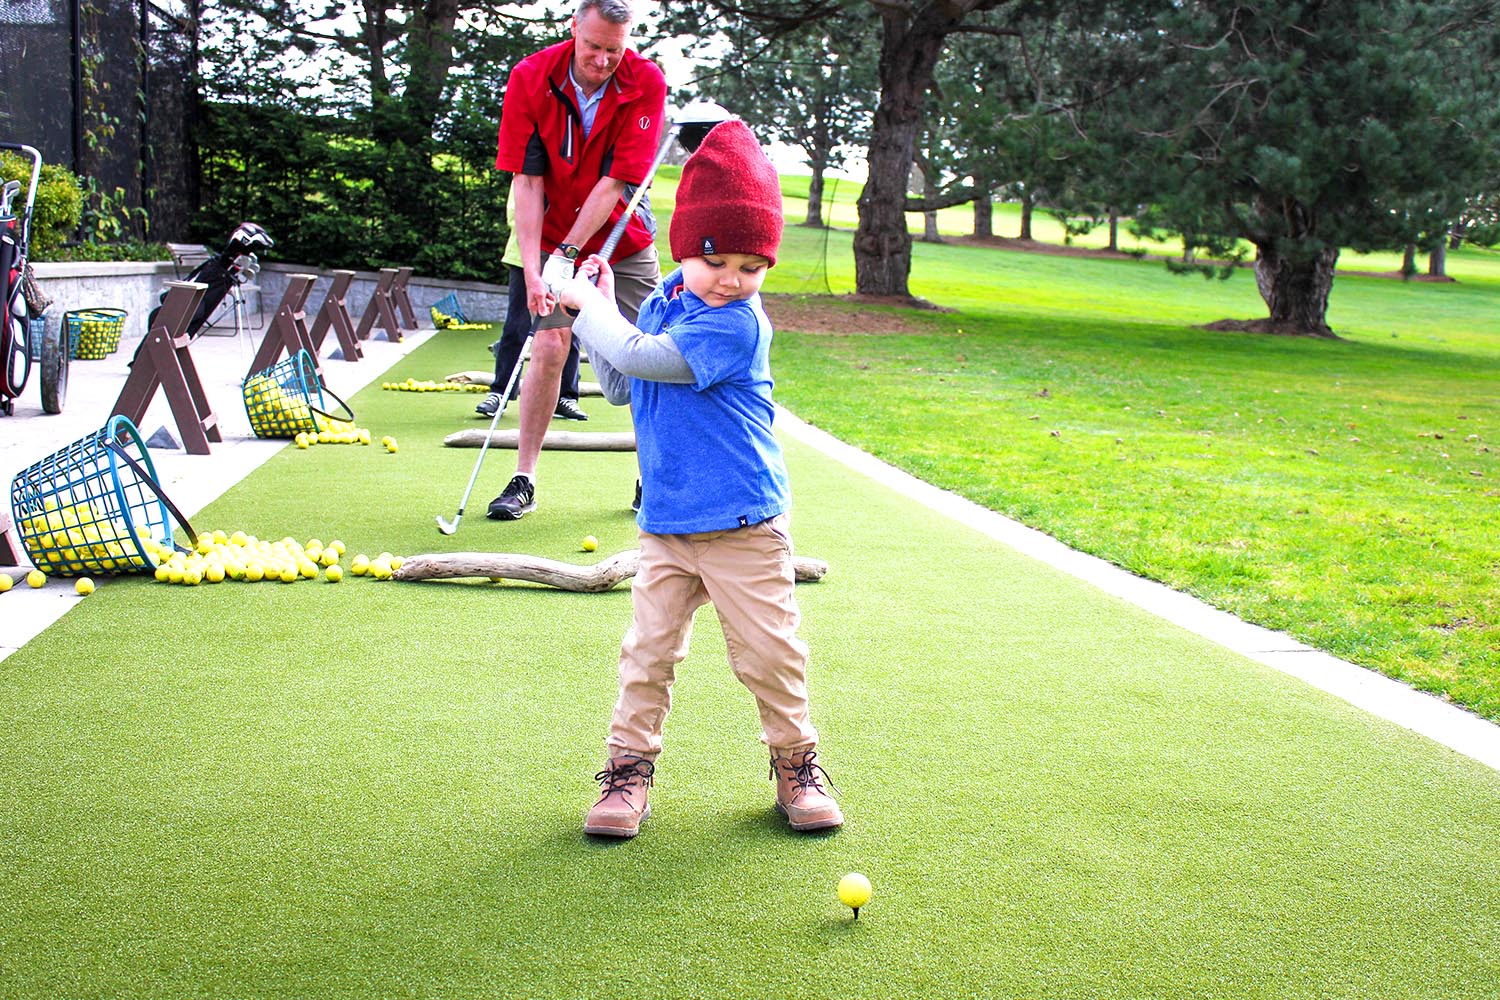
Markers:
point(882, 245)
point(984, 212)
point(930, 232)
point(1409, 261)
point(601, 576)
point(819, 149)
point(1026, 216)
point(1296, 291)
point(1437, 260)
point(1114, 230)
point(815, 198)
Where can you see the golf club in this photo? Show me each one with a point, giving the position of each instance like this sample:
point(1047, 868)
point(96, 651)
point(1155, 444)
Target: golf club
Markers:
point(449, 527)
point(700, 116)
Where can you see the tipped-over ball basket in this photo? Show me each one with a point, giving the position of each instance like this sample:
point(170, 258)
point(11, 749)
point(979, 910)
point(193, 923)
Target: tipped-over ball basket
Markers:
point(92, 506)
point(285, 399)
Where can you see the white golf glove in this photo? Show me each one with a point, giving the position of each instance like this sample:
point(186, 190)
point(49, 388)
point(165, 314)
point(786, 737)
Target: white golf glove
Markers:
point(557, 270)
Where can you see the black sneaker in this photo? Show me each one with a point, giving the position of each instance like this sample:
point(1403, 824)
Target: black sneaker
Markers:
point(568, 409)
point(518, 500)
point(488, 405)
point(635, 505)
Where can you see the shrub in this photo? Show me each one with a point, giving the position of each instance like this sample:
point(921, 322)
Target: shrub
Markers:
point(58, 207)
point(114, 250)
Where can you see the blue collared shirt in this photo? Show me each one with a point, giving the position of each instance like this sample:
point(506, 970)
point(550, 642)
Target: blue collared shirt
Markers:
point(588, 107)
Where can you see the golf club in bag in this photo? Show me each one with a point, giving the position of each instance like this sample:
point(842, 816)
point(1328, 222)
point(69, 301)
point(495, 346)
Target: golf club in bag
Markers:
point(234, 265)
point(690, 125)
point(15, 242)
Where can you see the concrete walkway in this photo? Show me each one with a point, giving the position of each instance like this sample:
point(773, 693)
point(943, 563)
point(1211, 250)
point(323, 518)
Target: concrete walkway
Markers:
point(193, 481)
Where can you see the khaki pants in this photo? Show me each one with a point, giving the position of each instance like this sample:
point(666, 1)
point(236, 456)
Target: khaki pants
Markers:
point(747, 574)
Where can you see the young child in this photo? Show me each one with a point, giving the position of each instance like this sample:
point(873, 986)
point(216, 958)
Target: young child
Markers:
point(714, 496)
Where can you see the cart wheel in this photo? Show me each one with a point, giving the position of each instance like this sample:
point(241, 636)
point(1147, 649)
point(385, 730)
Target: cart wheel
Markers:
point(55, 368)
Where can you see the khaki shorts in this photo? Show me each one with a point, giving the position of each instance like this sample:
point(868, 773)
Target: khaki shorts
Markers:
point(636, 277)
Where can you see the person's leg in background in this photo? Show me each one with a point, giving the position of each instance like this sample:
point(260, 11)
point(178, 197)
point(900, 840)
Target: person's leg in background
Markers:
point(508, 353)
point(512, 339)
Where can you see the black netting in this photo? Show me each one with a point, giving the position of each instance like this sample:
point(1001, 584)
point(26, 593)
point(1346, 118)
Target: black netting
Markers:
point(172, 181)
point(131, 133)
point(36, 101)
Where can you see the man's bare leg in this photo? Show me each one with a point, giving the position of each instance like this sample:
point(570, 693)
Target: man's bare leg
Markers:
point(539, 392)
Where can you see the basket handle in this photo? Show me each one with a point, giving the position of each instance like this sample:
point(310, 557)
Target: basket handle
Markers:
point(343, 405)
point(151, 483)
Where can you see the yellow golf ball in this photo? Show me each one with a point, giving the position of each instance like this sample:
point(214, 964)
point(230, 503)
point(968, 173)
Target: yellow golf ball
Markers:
point(35, 579)
point(333, 574)
point(855, 891)
point(589, 543)
point(84, 586)
point(6, 582)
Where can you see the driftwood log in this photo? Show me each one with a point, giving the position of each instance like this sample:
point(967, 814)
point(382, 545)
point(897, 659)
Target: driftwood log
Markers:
point(594, 579)
point(476, 377)
point(554, 441)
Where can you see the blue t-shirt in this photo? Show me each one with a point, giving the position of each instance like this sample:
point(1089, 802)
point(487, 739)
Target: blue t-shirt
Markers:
point(708, 458)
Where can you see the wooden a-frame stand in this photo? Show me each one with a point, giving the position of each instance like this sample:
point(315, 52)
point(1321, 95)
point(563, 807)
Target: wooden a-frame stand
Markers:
point(164, 362)
point(403, 299)
point(287, 330)
point(382, 307)
point(334, 315)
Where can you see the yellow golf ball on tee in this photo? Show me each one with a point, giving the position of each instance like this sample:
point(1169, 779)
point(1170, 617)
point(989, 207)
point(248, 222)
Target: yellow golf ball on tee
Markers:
point(855, 891)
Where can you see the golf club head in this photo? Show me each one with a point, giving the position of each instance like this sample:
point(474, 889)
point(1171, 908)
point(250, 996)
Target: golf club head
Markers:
point(694, 121)
point(447, 527)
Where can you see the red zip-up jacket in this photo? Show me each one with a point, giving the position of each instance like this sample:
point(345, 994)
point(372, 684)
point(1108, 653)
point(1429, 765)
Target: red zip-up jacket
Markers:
point(541, 134)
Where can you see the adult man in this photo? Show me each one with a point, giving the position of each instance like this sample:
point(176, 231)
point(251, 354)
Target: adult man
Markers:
point(513, 335)
point(581, 121)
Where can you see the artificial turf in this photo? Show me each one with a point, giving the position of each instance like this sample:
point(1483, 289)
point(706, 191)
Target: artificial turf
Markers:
point(376, 789)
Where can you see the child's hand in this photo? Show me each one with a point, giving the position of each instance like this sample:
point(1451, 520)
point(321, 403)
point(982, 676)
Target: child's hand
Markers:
point(597, 270)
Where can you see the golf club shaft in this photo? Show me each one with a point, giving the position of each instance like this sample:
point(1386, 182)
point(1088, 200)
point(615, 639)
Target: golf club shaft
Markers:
point(510, 385)
point(618, 231)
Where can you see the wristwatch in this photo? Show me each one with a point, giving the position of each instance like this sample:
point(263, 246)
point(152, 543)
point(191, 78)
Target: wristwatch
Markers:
point(569, 251)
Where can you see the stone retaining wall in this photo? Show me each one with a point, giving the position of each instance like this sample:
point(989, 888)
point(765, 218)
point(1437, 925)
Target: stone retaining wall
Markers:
point(136, 288)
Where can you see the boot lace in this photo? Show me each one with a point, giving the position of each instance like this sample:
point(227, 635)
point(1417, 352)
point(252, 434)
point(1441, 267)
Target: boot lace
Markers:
point(618, 778)
point(806, 774)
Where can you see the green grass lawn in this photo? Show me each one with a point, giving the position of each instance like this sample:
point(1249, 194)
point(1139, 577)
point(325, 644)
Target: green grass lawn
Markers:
point(376, 789)
point(1343, 491)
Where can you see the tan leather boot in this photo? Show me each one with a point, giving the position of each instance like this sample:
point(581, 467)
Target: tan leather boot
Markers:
point(622, 801)
point(799, 792)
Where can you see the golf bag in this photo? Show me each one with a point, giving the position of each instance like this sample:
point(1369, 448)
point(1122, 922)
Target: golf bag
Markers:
point(234, 265)
point(15, 242)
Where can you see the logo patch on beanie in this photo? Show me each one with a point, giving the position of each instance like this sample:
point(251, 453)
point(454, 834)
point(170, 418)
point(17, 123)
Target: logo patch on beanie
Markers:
point(708, 246)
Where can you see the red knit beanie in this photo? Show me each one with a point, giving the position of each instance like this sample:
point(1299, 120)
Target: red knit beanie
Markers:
point(729, 200)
